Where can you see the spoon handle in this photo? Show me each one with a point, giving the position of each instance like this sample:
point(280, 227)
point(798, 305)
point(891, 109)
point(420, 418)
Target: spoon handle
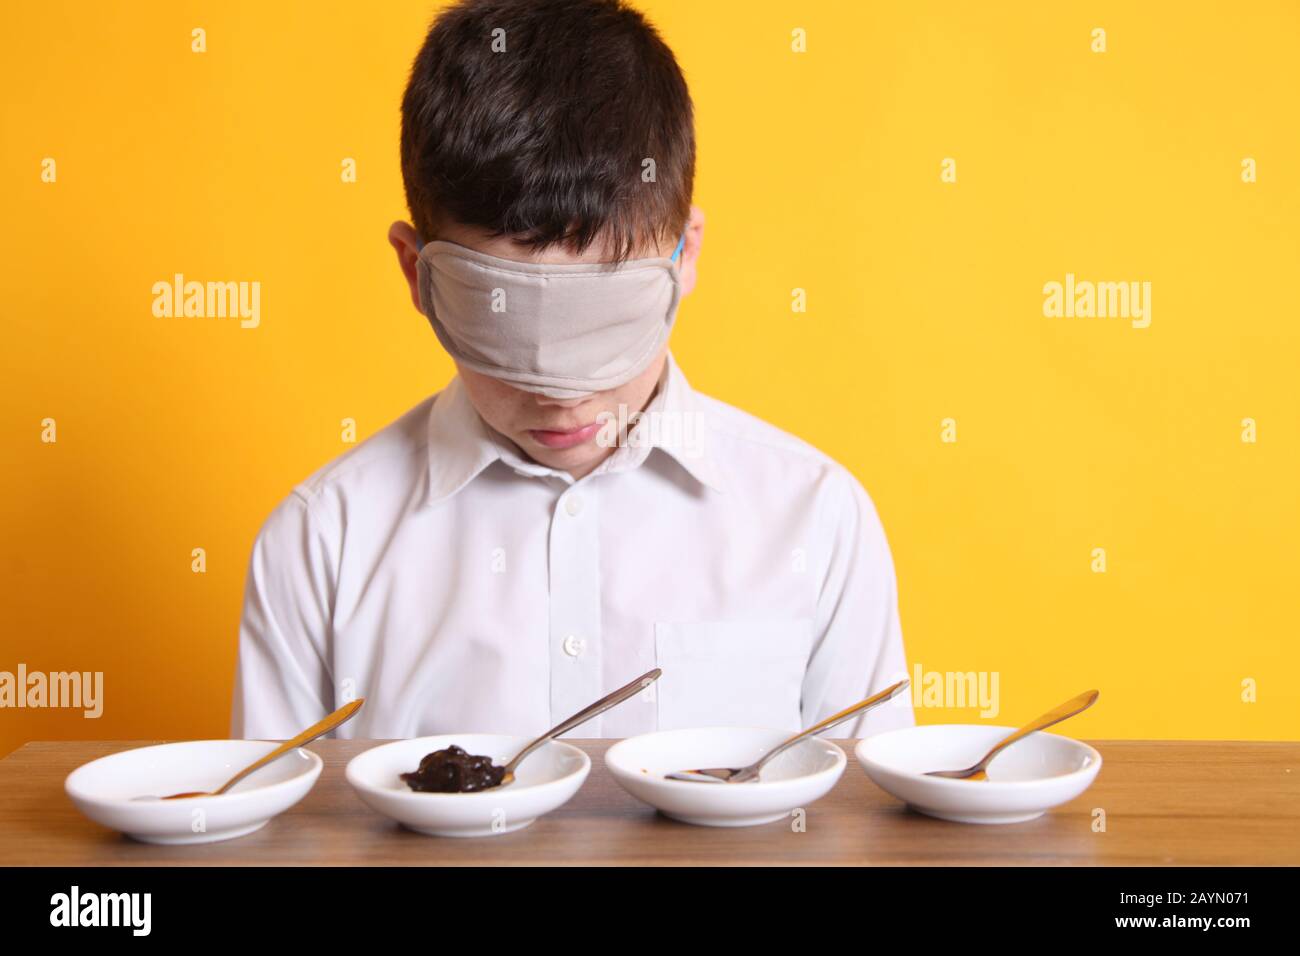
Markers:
point(1057, 714)
point(886, 694)
point(584, 715)
point(307, 736)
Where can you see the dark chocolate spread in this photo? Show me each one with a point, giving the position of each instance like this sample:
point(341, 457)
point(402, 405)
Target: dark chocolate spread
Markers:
point(454, 771)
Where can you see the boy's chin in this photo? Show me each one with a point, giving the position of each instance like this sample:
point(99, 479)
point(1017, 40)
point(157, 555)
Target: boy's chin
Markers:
point(582, 457)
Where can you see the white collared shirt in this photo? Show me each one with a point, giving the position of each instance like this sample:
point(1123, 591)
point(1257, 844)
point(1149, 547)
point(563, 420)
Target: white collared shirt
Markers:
point(462, 588)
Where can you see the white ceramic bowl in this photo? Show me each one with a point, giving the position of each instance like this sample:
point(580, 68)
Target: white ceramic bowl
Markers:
point(794, 779)
point(549, 776)
point(1024, 781)
point(105, 789)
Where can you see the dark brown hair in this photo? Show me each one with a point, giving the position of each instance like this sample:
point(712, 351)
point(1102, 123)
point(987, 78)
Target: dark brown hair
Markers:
point(546, 141)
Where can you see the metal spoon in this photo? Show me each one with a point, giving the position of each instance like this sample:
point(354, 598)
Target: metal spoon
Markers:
point(1057, 714)
point(750, 773)
point(340, 716)
point(581, 717)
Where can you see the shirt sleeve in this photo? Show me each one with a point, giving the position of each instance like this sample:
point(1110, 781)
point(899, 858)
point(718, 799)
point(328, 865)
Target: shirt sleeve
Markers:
point(858, 641)
point(282, 681)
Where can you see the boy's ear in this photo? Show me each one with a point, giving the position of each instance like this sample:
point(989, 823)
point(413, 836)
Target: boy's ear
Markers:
point(404, 240)
point(689, 266)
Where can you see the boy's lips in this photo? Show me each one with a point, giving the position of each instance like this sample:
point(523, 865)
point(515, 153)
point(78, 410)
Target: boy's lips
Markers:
point(567, 438)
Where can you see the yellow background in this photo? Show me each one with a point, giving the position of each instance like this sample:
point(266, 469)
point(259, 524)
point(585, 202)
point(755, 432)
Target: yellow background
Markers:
point(818, 171)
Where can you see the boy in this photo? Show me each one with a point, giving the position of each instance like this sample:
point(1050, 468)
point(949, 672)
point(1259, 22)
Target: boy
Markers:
point(522, 543)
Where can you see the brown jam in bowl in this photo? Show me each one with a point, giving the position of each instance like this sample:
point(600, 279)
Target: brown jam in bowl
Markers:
point(454, 771)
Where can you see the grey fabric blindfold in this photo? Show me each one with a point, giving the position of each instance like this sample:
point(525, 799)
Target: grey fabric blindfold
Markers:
point(559, 329)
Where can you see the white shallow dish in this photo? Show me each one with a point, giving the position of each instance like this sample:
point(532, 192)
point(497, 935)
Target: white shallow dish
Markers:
point(804, 773)
point(105, 789)
point(544, 781)
point(1024, 781)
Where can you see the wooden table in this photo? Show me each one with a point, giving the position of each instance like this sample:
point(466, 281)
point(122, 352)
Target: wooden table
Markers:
point(1166, 803)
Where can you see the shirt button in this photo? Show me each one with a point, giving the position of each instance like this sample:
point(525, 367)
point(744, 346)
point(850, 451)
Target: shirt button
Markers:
point(573, 645)
point(573, 504)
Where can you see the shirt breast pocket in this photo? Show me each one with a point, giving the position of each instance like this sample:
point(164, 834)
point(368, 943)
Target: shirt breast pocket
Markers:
point(732, 673)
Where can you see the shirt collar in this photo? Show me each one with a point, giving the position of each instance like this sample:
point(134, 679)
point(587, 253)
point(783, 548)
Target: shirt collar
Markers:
point(460, 443)
point(675, 422)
